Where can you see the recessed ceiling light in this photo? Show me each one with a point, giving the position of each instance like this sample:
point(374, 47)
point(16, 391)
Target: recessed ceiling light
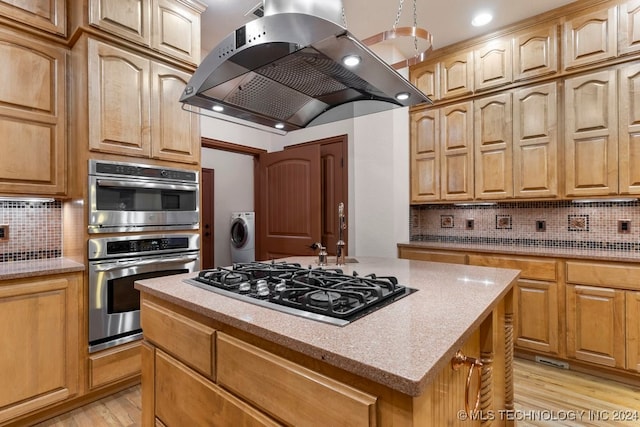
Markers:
point(279, 126)
point(351, 60)
point(402, 96)
point(218, 108)
point(481, 19)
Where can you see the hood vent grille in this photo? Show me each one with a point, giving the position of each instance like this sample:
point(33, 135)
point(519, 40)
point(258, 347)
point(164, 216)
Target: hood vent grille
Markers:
point(263, 96)
point(312, 74)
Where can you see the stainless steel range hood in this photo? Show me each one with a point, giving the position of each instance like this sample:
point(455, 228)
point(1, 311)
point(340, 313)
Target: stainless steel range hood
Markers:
point(285, 71)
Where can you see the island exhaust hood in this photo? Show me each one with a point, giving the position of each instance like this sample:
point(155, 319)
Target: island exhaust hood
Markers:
point(287, 71)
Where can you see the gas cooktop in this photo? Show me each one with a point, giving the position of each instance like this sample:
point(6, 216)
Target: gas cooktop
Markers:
point(324, 294)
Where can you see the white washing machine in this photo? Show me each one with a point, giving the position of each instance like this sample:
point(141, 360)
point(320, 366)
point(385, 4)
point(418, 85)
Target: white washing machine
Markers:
point(243, 237)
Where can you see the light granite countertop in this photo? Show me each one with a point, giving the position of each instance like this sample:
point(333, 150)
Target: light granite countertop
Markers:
point(38, 267)
point(568, 253)
point(403, 345)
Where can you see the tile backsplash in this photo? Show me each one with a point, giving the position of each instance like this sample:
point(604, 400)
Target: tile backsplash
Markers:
point(35, 230)
point(560, 224)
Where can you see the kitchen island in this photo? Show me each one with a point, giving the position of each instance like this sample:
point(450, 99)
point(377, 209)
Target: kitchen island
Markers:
point(208, 357)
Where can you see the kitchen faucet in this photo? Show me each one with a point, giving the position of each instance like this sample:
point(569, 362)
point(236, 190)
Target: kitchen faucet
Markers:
point(342, 226)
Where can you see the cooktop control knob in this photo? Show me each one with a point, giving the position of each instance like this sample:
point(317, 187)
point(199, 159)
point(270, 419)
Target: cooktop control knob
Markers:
point(244, 287)
point(262, 288)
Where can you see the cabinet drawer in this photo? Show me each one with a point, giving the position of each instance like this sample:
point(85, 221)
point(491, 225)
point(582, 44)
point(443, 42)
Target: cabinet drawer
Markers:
point(435, 256)
point(258, 376)
point(622, 276)
point(191, 342)
point(535, 269)
point(114, 364)
point(199, 401)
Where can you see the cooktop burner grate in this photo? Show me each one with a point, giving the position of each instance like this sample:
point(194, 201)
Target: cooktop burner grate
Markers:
point(323, 294)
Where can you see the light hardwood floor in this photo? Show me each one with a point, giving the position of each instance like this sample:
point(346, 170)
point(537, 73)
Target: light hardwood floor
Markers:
point(541, 392)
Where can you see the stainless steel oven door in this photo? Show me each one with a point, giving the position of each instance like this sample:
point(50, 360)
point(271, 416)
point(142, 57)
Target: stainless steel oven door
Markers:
point(114, 303)
point(140, 204)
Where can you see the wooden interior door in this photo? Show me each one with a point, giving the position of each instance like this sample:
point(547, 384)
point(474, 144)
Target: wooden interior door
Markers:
point(207, 241)
point(290, 202)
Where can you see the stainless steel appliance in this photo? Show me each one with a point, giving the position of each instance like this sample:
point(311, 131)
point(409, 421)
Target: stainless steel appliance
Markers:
point(135, 197)
point(115, 263)
point(290, 69)
point(326, 295)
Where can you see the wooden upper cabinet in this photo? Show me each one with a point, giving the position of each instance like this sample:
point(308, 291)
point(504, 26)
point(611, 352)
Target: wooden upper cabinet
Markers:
point(176, 29)
point(426, 77)
point(591, 134)
point(493, 147)
point(175, 132)
point(456, 75)
point(456, 145)
point(629, 27)
point(119, 117)
point(629, 132)
point(425, 156)
point(47, 15)
point(535, 141)
point(130, 19)
point(535, 53)
point(492, 64)
point(32, 116)
point(171, 27)
point(134, 109)
point(590, 37)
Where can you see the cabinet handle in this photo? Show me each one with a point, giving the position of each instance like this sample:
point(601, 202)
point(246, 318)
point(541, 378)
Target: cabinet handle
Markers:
point(458, 361)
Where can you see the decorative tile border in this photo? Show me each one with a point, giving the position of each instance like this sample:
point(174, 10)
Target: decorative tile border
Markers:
point(578, 223)
point(503, 222)
point(563, 244)
point(446, 221)
point(25, 256)
point(565, 224)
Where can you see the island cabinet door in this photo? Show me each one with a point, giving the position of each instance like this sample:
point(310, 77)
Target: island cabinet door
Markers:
point(289, 392)
point(185, 398)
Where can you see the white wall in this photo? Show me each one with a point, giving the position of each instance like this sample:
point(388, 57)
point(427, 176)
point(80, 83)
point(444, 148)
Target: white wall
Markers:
point(378, 175)
point(381, 189)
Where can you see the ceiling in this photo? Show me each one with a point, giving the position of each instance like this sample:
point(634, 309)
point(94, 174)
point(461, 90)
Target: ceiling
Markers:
point(447, 20)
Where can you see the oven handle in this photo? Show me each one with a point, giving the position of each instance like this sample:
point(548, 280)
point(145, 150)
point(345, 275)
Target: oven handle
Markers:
point(127, 264)
point(138, 184)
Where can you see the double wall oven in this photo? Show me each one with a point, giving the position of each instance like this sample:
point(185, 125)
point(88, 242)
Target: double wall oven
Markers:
point(126, 200)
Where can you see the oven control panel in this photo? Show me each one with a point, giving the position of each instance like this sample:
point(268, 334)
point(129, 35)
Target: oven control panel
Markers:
point(139, 245)
point(146, 245)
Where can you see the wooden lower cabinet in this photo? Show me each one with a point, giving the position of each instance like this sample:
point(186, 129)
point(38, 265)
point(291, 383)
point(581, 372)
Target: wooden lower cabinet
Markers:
point(537, 321)
point(263, 384)
point(185, 398)
point(434, 256)
point(257, 376)
point(39, 326)
point(595, 325)
point(633, 330)
point(114, 364)
point(536, 305)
